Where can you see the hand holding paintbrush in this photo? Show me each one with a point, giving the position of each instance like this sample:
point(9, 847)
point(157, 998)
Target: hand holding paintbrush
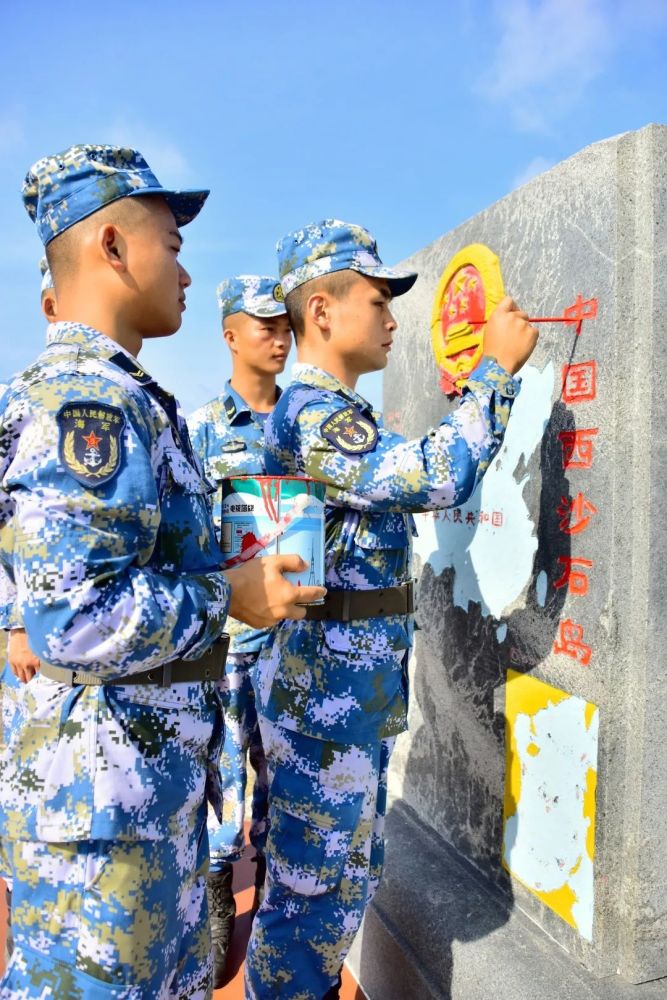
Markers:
point(509, 336)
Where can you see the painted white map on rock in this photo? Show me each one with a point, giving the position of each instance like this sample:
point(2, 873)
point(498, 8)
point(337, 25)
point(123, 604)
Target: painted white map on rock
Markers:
point(490, 541)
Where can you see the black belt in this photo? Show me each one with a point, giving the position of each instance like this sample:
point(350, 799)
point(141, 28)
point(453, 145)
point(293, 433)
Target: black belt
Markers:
point(209, 667)
point(349, 605)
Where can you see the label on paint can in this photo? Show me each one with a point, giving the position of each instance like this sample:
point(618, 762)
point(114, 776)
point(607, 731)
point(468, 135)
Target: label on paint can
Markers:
point(269, 515)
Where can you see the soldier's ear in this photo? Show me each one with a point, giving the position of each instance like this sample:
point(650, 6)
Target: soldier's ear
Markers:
point(112, 246)
point(318, 311)
point(229, 334)
point(49, 306)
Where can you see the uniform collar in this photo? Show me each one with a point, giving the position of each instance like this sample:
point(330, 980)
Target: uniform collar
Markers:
point(236, 406)
point(86, 336)
point(317, 377)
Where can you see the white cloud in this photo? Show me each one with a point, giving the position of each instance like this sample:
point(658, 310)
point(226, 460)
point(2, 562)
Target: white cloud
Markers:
point(163, 155)
point(548, 51)
point(536, 166)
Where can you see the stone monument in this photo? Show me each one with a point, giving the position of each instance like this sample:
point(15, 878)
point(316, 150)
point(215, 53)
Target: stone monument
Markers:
point(527, 827)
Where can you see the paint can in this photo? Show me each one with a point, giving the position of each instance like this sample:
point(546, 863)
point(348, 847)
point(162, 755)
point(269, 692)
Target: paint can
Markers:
point(271, 515)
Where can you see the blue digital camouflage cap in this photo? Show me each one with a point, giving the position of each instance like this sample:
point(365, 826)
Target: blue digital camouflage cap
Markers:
point(61, 190)
point(332, 245)
point(255, 294)
point(47, 280)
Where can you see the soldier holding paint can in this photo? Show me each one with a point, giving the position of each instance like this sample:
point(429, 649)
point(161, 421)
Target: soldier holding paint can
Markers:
point(332, 690)
point(228, 435)
point(107, 768)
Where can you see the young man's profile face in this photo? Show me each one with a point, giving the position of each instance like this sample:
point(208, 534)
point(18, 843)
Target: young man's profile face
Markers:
point(260, 344)
point(362, 325)
point(155, 273)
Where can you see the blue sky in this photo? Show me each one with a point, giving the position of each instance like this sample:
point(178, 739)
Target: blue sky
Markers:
point(405, 117)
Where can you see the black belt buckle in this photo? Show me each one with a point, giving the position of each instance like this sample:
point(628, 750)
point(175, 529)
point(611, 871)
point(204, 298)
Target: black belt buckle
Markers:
point(410, 596)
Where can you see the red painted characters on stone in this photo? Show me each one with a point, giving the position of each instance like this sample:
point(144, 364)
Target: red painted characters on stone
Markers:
point(579, 385)
point(578, 447)
point(575, 581)
point(580, 310)
point(579, 382)
point(575, 514)
point(570, 641)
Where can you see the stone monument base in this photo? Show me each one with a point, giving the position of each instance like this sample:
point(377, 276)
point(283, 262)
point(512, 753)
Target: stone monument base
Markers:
point(437, 930)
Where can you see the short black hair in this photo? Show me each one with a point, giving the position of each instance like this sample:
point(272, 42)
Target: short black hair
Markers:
point(337, 284)
point(62, 252)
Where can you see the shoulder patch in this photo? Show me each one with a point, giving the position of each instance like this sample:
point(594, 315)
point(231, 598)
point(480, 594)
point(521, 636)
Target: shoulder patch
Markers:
point(350, 431)
point(90, 443)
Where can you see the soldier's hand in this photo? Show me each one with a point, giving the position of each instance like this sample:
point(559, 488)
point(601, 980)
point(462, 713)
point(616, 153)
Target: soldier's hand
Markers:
point(508, 336)
point(261, 596)
point(23, 662)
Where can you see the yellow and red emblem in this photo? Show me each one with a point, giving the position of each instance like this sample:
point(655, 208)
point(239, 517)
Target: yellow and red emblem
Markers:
point(470, 288)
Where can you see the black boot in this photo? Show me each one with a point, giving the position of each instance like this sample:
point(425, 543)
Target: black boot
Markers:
point(222, 910)
point(260, 876)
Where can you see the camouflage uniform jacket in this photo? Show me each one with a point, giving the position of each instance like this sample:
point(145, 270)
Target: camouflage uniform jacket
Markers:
point(8, 618)
point(112, 578)
point(346, 681)
point(229, 438)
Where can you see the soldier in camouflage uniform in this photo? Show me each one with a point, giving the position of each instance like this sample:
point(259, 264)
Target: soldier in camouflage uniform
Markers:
point(332, 690)
point(228, 436)
point(22, 664)
point(106, 772)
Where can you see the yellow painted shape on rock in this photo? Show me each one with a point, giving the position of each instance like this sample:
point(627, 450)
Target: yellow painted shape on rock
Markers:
point(560, 901)
point(526, 695)
point(589, 810)
point(549, 802)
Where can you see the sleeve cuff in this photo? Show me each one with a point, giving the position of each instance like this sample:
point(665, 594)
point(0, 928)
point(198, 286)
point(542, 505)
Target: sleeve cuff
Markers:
point(9, 617)
point(490, 375)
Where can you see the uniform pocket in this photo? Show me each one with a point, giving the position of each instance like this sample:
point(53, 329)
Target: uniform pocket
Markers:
point(310, 833)
point(366, 637)
point(28, 967)
point(182, 476)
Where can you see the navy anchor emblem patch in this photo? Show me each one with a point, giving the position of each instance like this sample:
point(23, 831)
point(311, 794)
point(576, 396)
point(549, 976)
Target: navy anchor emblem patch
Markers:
point(350, 431)
point(90, 442)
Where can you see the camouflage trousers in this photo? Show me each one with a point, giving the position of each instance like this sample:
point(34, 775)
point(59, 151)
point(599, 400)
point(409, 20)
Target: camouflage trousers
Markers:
point(243, 742)
point(126, 920)
point(10, 688)
point(324, 852)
